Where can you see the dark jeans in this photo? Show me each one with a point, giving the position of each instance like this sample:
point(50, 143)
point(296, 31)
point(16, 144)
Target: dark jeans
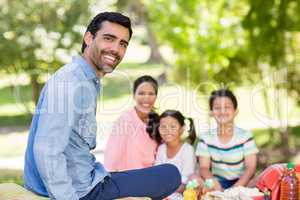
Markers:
point(155, 182)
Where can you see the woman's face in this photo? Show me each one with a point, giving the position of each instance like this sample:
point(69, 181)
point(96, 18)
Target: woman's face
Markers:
point(223, 110)
point(145, 97)
point(169, 129)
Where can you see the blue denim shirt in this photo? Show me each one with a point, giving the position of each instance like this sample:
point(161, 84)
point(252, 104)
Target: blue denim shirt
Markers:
point(58, 162)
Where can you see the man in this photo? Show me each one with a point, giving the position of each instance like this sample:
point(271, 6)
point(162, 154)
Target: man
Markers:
point(58, 162)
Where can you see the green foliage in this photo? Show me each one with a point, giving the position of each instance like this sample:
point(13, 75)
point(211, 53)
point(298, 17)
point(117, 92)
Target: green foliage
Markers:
point(222, 42)
point(273, 29)
point(36, 33)
point(205, 36)
point(270, 24)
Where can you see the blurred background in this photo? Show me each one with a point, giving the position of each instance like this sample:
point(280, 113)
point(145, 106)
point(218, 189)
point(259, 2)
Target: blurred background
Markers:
point(192, 47)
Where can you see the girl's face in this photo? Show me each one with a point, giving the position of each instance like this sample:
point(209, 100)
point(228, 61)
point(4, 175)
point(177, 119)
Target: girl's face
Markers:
point(170, 130)
point(223, 110)
point(145, 97)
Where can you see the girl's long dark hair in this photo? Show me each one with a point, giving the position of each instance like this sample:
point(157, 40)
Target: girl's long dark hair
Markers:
point(154, 119)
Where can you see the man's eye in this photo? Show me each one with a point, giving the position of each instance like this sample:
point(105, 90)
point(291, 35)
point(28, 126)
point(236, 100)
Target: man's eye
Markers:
point(124, 45)
point(108, 38)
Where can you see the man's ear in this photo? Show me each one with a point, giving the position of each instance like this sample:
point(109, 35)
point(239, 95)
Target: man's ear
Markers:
point(88, 38)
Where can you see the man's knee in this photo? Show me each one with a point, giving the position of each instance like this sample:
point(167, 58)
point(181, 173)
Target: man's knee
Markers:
point(173, 174)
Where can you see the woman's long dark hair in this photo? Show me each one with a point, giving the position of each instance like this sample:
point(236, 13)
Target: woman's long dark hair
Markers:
point(153, 125)
point(145, 79)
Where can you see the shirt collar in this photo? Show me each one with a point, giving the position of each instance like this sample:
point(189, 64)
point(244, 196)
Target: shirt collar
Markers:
point(88, 70)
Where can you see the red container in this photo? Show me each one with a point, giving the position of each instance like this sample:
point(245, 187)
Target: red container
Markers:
point(261, 197)
point(297, 171)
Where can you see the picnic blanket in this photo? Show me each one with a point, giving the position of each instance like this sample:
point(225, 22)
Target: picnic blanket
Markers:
point(12, 191)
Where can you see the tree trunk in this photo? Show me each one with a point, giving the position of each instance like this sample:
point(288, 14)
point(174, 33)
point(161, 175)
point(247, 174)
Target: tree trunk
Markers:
point(155, 55)
point(35, 87)
point(141, 12)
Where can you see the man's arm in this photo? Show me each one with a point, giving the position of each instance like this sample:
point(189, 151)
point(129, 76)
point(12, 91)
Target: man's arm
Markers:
point(52, 137)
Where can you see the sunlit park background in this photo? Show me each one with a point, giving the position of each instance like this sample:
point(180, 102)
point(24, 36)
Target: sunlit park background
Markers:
point(190, 46)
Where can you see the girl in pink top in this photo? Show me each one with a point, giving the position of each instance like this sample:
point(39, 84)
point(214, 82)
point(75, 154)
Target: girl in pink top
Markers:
point(130, 146)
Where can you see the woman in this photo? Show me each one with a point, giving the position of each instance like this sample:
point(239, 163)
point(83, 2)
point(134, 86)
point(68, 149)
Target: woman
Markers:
point(130, 146)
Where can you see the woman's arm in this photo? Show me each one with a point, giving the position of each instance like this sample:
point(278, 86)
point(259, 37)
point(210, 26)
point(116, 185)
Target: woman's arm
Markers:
point(116, 147)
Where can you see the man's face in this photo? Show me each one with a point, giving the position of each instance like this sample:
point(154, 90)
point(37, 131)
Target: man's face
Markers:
point(107, 48)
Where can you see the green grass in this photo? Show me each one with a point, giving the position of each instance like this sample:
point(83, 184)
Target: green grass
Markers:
point(115, 88)
point(11, 176)
point(15, 120)
point(15, 94)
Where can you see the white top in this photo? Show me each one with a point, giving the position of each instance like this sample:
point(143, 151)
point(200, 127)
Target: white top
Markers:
point(184, 160)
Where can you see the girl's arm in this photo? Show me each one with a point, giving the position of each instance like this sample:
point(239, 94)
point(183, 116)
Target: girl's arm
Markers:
point(250, 164)
point(205, 172)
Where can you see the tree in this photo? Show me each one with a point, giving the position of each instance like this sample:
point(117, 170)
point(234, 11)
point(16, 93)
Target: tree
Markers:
point(205, 36)
point(140, 15)
point(273, 28)
point(232, 43)
point(38, 34)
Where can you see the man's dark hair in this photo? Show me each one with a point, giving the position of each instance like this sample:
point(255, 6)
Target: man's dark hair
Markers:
point(113, 17)
point(222, 93)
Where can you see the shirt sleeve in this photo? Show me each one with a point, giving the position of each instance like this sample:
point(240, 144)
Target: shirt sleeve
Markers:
point(189, 162)
point(202, 148)
point(52, 137)
point(249, 146)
